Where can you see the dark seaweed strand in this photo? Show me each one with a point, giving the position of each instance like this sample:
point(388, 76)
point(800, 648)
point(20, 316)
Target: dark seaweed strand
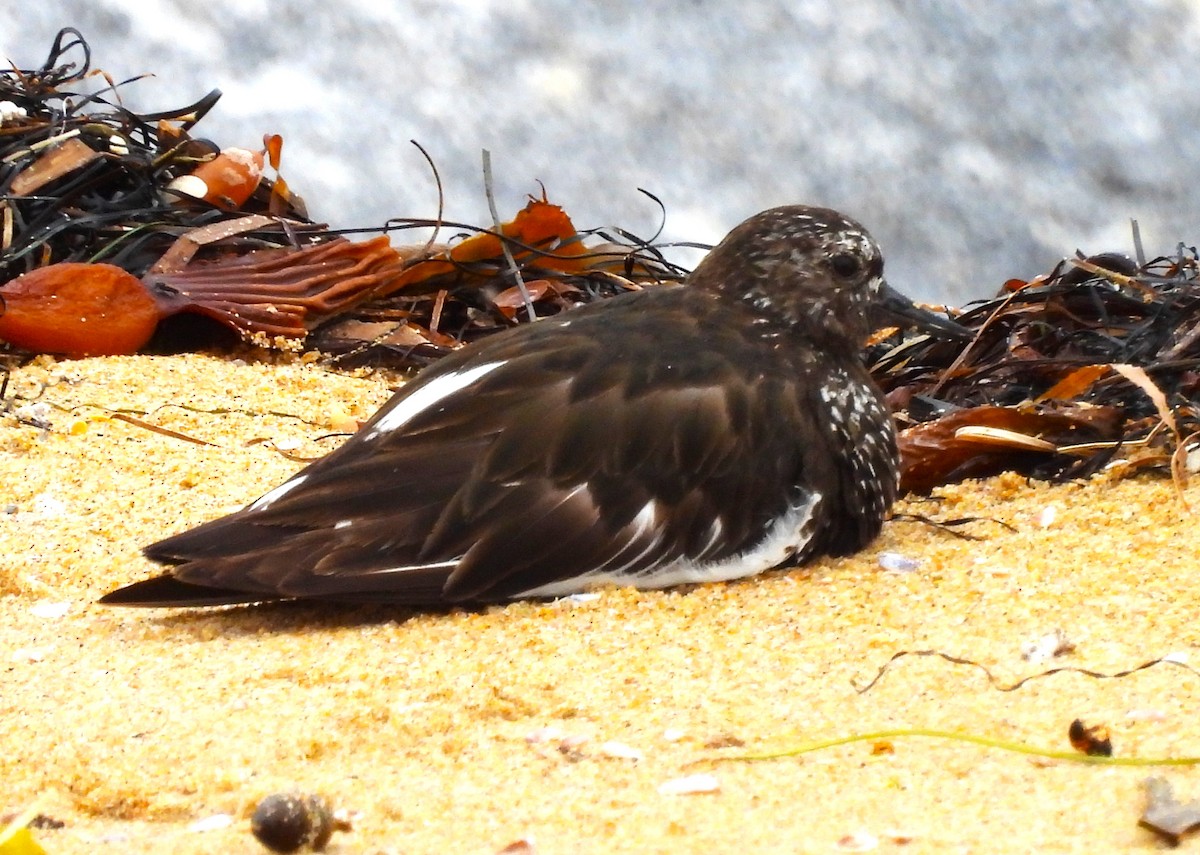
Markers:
point(115, 207)
point(1147, 316)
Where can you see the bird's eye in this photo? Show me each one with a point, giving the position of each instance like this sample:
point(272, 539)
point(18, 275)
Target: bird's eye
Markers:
point(845, 265)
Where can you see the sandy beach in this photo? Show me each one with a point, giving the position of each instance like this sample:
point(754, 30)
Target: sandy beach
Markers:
point(567, 724)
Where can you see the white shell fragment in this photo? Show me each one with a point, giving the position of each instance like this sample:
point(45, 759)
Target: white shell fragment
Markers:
point(621, 751)
point(1049, 646)
point(37, 414)
point(894, 562)
point(211, 823)
point(690, 785)
point(1048, 515)
point(859, 841)
point(49, 609)
point(188, 185)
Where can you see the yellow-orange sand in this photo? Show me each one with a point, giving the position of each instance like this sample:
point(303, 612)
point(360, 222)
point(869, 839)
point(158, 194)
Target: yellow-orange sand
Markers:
point(560, 722)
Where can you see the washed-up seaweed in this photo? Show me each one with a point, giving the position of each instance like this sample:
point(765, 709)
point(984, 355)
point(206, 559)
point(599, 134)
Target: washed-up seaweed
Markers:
point(83, 178)
point(451, 294)
point(1095, 362)
point(90, 190)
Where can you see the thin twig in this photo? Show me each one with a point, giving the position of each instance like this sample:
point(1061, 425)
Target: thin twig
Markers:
point(508, 256)
point(162, 430)
point(437, 178)
point(1012, 687)
point(435, 317)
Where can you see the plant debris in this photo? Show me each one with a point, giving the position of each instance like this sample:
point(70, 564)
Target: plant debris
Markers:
point(1093, 740)
point(89, 189)
point(1165, 816)
point(1065, 373)
point(1012, 687)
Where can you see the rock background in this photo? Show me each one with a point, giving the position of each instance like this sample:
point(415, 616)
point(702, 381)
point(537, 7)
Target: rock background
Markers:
point(978, 141)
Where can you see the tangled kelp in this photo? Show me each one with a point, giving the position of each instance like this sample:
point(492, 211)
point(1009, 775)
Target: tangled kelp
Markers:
point(1099, 358)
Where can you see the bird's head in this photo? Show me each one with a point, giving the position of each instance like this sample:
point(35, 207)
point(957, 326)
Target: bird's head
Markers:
point(814, 271)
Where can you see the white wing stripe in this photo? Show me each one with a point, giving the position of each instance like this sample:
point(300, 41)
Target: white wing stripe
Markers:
point(272, 496)
point(409, 568)
point(427, 396)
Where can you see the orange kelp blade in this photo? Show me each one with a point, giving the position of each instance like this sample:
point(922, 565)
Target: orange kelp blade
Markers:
point(77, 309)
point(281, 292)
point(541, 225)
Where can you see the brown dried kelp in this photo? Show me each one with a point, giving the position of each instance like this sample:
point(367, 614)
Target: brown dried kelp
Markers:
point(452, 294)
point(83, 178)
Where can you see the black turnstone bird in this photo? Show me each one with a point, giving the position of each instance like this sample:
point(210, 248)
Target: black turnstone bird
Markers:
point(697, 433)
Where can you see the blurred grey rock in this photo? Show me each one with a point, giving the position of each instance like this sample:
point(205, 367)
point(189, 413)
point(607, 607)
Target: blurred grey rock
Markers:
point(977, 140)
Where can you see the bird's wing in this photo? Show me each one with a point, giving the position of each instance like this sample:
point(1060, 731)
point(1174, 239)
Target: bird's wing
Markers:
point(524, 469)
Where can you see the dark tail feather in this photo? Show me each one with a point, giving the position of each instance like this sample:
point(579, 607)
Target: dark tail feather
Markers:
point(168, 591)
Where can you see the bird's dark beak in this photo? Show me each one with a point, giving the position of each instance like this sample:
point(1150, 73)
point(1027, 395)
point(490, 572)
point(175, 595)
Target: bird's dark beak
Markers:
point(893, 308)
